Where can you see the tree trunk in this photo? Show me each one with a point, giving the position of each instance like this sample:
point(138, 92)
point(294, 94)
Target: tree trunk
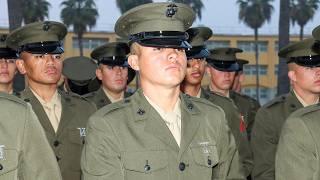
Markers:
point(257, 63)
point(301, 32)
point(284, 28)
point(80, 36)
point(14, 14)
point(15, 20)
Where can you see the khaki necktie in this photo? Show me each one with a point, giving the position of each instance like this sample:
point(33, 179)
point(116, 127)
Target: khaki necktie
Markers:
point(52, 115)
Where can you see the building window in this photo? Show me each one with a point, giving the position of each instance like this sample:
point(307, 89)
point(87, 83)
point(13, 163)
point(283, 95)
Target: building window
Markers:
point(248, 46)
point(251, 70)
point(89, 43)
point(217, 44)
point(276, 69)
point(265, 93)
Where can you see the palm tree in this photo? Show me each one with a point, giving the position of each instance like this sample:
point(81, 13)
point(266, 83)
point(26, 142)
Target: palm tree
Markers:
point(35, 10)
point(196, 5)
point(129, 4)
point(80, 14)
point(254, 13)
point(302, 11)
point(284, 29)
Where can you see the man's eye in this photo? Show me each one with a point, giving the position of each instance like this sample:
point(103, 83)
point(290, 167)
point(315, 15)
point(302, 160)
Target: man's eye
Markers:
point(57, 56)
point(39, 56)
point(157, 49)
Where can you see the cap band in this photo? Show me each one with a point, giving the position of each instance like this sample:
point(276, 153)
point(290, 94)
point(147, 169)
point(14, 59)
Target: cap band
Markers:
point(8, 53)
point(48, 47)
point(307, 61)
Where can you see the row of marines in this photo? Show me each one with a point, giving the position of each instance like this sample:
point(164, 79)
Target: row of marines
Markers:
point(171, 127)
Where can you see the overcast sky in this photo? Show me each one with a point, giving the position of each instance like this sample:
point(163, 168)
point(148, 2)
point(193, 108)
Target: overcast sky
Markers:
point(220, 15)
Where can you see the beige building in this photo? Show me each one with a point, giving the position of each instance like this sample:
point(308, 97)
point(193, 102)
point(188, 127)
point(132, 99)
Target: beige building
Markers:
point(268, 59)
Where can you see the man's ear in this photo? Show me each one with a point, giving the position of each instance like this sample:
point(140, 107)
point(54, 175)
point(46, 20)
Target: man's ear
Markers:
point(21, 66)
point(99, 73)
point(292, 76)
point(133, 61)
point(208, 71)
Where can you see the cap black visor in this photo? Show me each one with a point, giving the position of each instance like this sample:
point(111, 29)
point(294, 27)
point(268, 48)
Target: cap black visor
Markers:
point(306, 61)
point(51, 47)
point(226, 66)
point(197, 53)
point(114, 61)
point(167, 39)
point(8, 53)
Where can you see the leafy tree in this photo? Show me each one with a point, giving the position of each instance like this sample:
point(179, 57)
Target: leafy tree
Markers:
point(254, 13)
point(196, 5)
point(302, 11)
point(129, 4)
point(35, 10)
point(80, 14)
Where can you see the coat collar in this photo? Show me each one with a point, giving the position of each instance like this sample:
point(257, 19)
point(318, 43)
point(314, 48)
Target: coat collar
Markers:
point(292, 102)
point(156, 126)
point(66, 115)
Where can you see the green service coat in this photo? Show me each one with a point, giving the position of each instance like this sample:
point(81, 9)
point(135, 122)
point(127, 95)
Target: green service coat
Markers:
point(24, 150)
point(299, 146)
point(234, 121)
point(129, 140)
point(266, 133)
point(67, 142)
point(100, 99)
point(248, 107)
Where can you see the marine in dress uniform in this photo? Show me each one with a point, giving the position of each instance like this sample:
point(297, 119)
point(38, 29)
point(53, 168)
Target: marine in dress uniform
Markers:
point(191, 85)
point(222, 70)
point(8, 67)
point(63, 116)
point(299, 146)
point(159, 133)
point(24, 150)
point(78, 72)
point(239, 77)
point(113, 72)
point(303, 72)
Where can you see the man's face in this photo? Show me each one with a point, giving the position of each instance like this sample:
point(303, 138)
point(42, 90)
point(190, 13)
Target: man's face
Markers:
point(41, 69)
point(7, 70)
point(195, 71)
point(165, 67)
point(220, 79)
point(305, 78)
point(114, 78)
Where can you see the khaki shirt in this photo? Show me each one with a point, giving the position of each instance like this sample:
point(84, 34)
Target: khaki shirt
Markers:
point(53, 108)
point(172, 119)
point(111, 98)
point(24, 150)
point(304, 104)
